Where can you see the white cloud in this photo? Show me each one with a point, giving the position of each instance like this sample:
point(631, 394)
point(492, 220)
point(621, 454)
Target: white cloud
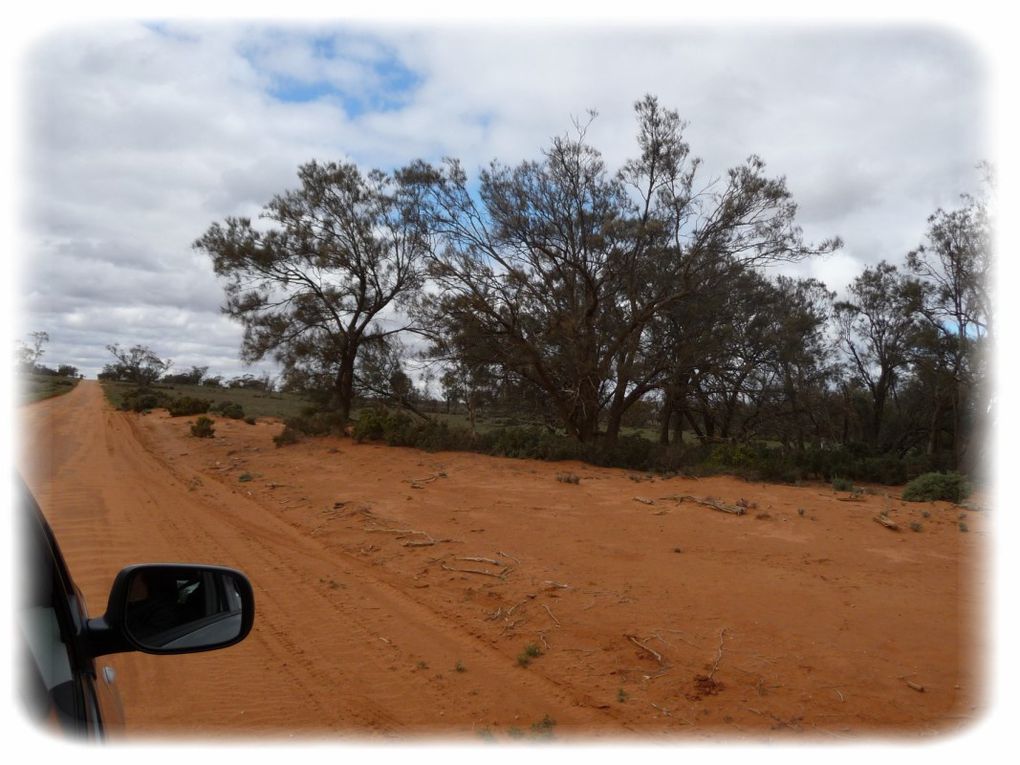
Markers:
point(136, 138)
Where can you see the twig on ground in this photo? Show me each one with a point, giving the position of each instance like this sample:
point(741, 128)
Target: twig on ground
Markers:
point(541, 636)
point(644, 500)
point(718, 658)
point(501, 575)
point(479, 560)
point(665, 712)
point(639, 644)
point(500, 552)
point(552, 615)
point(418, 483)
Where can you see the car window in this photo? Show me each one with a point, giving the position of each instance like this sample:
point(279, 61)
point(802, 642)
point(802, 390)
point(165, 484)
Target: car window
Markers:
point(50, 688)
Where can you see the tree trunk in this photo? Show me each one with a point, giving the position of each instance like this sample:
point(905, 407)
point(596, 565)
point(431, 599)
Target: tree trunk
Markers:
point(344, 390)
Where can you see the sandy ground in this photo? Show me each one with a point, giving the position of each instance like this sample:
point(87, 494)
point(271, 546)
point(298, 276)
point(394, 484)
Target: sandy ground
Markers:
point(396, 590)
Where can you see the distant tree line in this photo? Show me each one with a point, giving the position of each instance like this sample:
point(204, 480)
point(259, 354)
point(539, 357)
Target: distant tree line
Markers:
point(27, 358)
point(594, 300)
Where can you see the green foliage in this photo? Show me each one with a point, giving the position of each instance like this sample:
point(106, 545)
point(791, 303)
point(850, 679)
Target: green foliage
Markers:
point(287, 437)
point(842, 484)
point(543, 728)
point(229, 409)
point(250, 420)
point(531, 651)
point(203, 427)
point(930, 487)
point(316, 423)
point(754, 461)
point(35, 387)
point(142, 400)
point(245, 477)
point(186, 406)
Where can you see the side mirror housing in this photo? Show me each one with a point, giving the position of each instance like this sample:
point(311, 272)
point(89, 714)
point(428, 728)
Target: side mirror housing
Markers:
point(171, 608)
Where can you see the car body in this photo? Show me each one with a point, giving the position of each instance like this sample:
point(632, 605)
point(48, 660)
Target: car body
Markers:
point(164, 608)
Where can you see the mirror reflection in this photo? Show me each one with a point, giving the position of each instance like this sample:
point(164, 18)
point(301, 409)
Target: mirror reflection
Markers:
point(170, 608)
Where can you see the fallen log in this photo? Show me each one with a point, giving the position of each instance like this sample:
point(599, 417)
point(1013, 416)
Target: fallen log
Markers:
point(886, 522)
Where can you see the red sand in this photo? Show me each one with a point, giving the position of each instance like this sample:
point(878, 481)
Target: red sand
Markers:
point(655, 620)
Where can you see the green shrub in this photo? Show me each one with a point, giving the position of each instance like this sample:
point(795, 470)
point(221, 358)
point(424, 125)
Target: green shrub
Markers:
point(203, 427)
point(287, 437)
point(229, 409)
point(318, 423)
point(930, 487)
point(842, 484)
point(142, 400)
point(186, 406)
point(250, 419)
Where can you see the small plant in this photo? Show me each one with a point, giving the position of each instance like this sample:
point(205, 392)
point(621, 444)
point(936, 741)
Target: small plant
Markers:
point(568, 478)
point(515, 732)
point(422, 665)
point(459, 667)
point(915, 526)
point(287, 437)
point(544, 727)
point(203, 427)
point(621, 695)
point(925, 514)
point(245, 477)
point(842, 484)
point(250, 419)
point(531, 651)
point(931, 487)
point(963, 526)
point(801, 511)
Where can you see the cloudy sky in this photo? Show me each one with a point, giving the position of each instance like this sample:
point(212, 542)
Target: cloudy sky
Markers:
point(135, 137)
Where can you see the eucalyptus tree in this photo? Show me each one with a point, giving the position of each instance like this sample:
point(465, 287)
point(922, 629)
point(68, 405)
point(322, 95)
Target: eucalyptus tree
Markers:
point(952, 270)
point(313, 279)
point(878, 329)
point(554, 270)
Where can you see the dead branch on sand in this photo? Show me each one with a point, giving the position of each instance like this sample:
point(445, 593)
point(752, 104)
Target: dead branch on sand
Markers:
point(479, 560)
point(419, 483)
point(718, 657)
point(644, 500)
point(501, 575)
point(639, 644)
point(552, 615)
point(886, 522)
point(428, 541)
point(708, 502)
point(510, 557)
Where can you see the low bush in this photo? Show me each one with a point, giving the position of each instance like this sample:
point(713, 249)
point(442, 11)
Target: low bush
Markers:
point(186, 406)
point(250, 419)
point(142, 400)
point(316, 423)
point(229, 409)
point(287, 437)
point(203, 427)
point(930, 487)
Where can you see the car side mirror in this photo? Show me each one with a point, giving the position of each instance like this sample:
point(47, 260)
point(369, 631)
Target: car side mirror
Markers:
point(174, 608)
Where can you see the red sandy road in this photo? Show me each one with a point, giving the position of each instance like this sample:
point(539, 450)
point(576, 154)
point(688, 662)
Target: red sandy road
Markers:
point(808, 626)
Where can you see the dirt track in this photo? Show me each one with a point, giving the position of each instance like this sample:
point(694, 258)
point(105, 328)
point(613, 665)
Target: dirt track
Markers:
point(662, 619)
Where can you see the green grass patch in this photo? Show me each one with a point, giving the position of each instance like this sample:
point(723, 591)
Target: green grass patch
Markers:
point(35, 387)
point(252, 403)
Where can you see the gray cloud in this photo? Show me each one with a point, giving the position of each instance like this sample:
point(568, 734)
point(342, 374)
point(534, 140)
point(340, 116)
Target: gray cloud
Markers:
point(135, 138)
